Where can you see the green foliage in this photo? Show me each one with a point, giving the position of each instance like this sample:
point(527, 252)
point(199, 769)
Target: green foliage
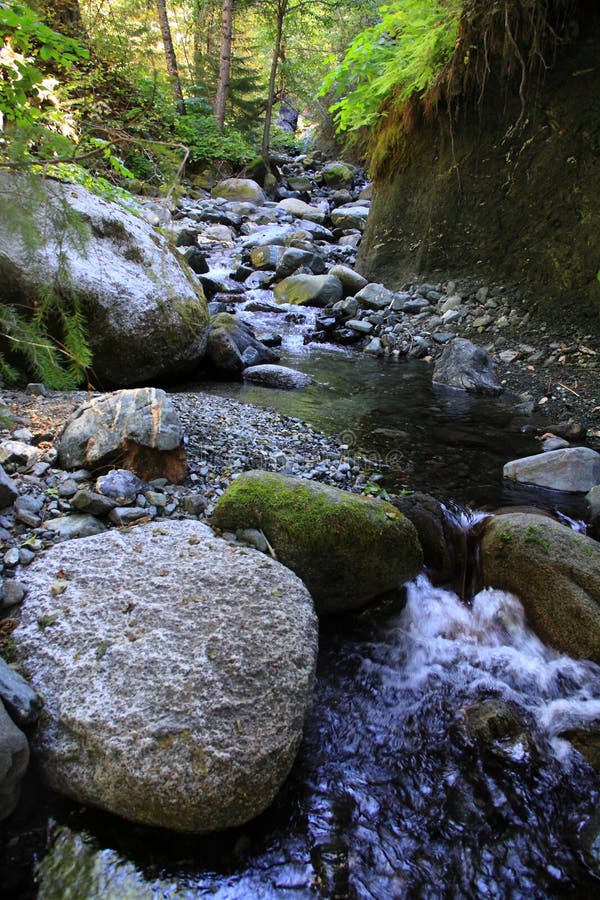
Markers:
point(28, 95)
point(402, 55)
point(200, 133)
point(60, 364)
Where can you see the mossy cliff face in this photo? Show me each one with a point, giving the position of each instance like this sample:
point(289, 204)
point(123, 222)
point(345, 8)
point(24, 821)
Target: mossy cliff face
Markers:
point(482, 200)
point(346, 548)
point(556, 574)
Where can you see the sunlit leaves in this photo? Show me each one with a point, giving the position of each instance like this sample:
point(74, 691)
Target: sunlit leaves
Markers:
point(401, 55)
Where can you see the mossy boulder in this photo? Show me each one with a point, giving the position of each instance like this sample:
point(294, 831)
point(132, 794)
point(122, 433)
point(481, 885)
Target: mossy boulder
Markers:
point(309, 290)
point(347, 549)
point(554, 571)
point(240, 189)
point(338, 174)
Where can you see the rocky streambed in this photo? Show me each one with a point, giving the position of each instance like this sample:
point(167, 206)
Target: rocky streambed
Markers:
point(437, 742)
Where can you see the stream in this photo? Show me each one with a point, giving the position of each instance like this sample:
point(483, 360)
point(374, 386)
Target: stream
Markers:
point(433, 764)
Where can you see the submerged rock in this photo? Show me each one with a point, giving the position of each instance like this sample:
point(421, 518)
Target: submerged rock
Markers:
point(556, 574)
point(466, 366)
point(138, 428)
point(348, 549)
point(176, 671)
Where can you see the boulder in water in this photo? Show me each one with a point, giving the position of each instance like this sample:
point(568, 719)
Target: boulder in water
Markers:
point(574, 469)
point(556, 574)
point(280, 377)
point(348, 549)
point(176, 671)
point(466, 366)
point(309, 290)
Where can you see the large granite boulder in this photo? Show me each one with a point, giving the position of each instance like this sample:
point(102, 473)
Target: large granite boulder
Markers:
point(146, 315)
point(575, 469)
point(138, 429)
point(242, 190)
point(176, 671)
point(309, 290)
point(347, 549)
point(556, 574)
point(466, 366)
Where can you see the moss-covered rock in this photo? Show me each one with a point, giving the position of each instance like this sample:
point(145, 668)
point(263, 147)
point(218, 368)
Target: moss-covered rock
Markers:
point(309, 290)
point(347, 549)
point(338, 174)
point(556, 574)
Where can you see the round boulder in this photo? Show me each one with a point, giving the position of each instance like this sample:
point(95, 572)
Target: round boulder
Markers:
point(240, 189)
point(347, 549)
point(556, 574)
point(176, 671)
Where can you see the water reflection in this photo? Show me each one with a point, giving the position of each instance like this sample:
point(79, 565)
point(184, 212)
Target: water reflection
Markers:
point(420, 435)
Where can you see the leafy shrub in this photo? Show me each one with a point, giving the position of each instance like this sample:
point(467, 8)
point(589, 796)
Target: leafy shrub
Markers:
point(200, 133)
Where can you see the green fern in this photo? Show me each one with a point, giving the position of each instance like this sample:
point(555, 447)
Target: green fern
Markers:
point(403, 54)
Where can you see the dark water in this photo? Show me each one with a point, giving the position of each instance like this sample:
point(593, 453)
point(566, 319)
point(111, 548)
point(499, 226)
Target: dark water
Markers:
point(391, 795)
point(419, 435)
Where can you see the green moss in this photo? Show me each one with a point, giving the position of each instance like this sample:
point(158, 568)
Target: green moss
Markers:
point(533, 535)
point(342, 545)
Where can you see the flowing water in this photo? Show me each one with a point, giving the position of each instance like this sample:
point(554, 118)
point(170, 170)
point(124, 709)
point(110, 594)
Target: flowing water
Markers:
point(433, 763)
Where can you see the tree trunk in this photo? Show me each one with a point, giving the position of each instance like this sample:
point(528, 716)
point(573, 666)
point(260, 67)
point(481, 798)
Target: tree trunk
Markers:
point(224, 61)
point(171, 60)
point(282, 6)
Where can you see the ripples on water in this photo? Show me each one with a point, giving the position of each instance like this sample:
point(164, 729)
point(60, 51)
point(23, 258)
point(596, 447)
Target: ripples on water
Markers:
point(394, 794)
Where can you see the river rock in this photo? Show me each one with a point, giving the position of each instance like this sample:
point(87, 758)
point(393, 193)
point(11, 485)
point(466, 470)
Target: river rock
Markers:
point(8, 489)
point(309, 290)
point(280, 377)
point(78, 525)
point(146, 316)
point(139, 428)
point(229, 339)
point(347, 548)
point(374, 296)
point(176, 671)
point(266, 235)
point(350, 217)
point(443, 543)
point(352, 281)
point(338, 174)
point(18, 456)
point(19, 698)
point(14, 759)
point(243, 190)
point(576, 469)
point(466, 366)
point(592, 502)
point(302, 210)
point(556, 574)
point(294, 258)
